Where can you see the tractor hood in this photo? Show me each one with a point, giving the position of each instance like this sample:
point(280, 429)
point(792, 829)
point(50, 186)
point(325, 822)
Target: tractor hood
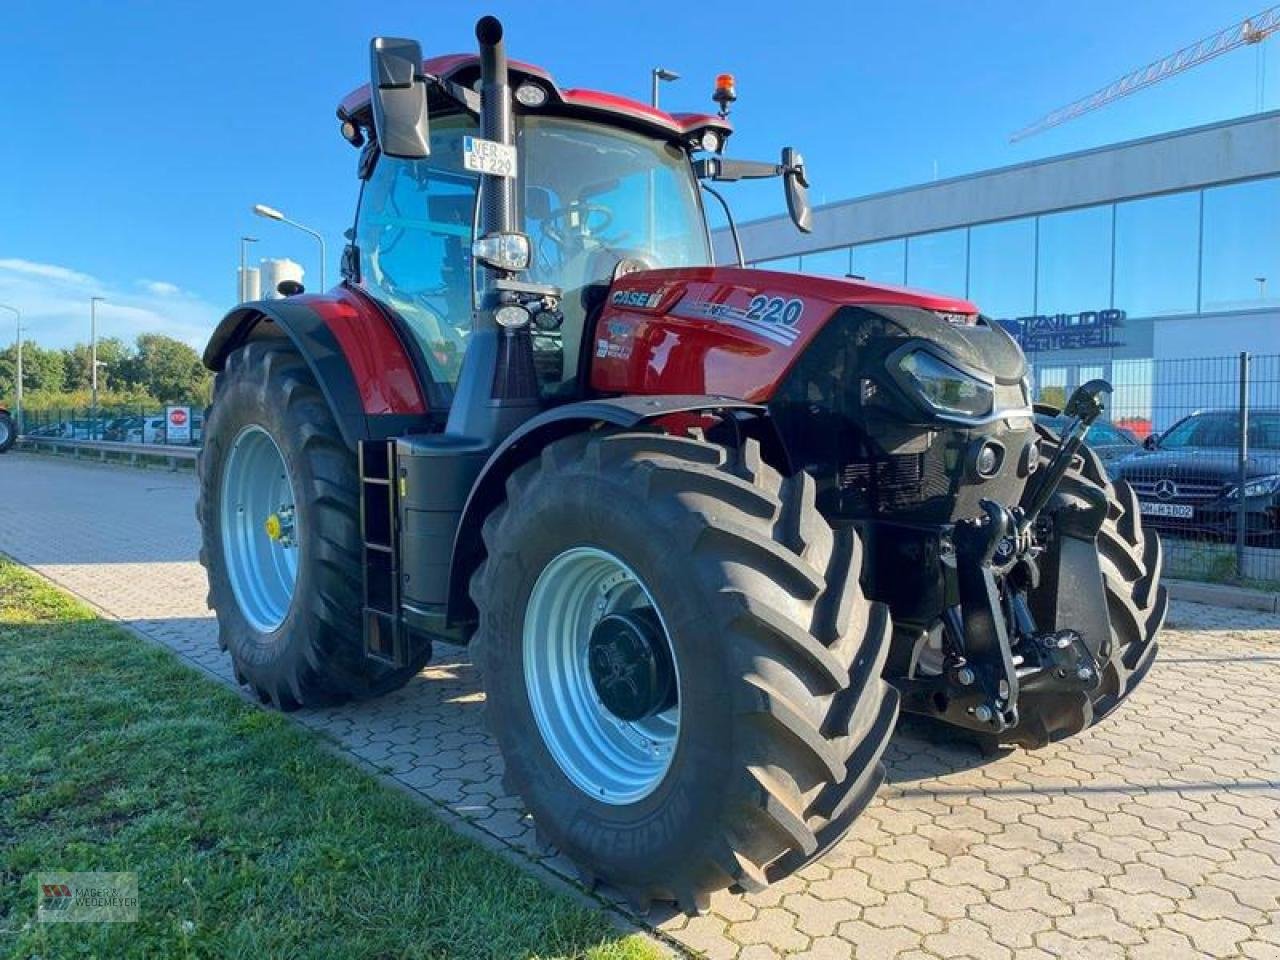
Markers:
point(739, 331)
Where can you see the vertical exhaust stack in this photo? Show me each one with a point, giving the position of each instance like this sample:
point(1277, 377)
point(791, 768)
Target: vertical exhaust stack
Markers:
point(498, 386)
point(498, 214)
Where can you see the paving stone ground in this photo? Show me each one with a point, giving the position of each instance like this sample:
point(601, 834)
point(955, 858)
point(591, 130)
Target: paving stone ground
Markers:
point(1155, 836)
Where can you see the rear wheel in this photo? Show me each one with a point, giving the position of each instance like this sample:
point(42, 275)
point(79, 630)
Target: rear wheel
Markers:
point(279, 512)
point(8, 431)
point(680, 665)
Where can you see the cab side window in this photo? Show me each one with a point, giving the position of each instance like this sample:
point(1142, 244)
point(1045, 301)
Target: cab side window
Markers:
point(414, 232)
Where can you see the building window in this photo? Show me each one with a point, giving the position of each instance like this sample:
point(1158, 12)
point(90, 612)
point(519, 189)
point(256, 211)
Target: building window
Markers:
point(936, 261)
point(884, 262)
point(827, 263)
point(1051, 386)
point(1074, 269)
point(783, 264)
point(1002, 268)
point(1157, 247)
point(1241, 265)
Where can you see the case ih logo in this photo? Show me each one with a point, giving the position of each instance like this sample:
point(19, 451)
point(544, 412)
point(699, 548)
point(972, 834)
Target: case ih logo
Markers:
point(178, 417)
point(56, 896)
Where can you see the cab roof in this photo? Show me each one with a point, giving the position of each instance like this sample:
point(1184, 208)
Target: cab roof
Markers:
point(464, 70)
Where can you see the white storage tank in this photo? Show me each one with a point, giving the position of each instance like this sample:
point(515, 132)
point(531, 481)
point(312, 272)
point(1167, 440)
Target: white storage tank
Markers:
point(276, 271)
point(250, 285)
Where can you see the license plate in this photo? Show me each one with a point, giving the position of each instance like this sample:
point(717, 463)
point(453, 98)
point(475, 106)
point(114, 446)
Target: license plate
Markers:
point(488, 156)
point(1181, 511)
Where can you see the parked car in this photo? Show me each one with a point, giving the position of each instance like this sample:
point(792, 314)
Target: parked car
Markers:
point(1187, 478)
point(1109, 442)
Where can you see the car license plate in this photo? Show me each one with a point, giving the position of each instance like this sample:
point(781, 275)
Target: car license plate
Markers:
point(488, 156)
point(1180, 511)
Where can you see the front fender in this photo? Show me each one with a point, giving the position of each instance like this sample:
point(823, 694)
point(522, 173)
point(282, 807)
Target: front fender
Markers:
point(531, 437)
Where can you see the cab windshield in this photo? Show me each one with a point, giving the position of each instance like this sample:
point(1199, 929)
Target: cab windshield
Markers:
point(593, 195)
point(590, 197)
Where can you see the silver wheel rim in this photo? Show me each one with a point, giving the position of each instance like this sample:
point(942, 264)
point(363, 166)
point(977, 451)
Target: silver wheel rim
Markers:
point(611, 760)
point(261, 555)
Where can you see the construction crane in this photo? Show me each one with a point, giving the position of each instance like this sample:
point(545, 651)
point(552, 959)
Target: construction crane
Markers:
point(1254, 30)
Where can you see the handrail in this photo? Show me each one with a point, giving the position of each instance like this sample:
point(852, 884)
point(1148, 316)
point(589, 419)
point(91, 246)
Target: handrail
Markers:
point(104, 447)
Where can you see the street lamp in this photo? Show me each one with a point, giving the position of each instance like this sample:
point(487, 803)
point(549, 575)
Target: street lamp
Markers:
point(660, 75)
point(93, 361)
point(271, 213)
point(243, 294)
point(18, 404)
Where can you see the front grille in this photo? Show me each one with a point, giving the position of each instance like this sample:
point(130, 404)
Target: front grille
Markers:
point(895, 473)
point(1188, 491)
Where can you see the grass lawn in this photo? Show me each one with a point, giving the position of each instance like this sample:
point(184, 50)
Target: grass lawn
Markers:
point(248, 838)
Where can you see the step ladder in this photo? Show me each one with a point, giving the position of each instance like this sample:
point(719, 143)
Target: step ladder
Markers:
point(385, 637)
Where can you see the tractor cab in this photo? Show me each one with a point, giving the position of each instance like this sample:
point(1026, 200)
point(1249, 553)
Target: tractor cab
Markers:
point(597, 186)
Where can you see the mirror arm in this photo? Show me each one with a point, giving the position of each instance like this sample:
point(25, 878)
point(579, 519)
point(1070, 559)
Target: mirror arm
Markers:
point(731, 171)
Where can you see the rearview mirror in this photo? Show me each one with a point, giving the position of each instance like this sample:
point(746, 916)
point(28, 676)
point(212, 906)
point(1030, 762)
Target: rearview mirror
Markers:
point(796, 184)
point(398, 93)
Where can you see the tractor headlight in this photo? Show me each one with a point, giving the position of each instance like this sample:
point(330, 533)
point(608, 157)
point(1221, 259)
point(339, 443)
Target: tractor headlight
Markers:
point(506, 251)
point(945, 388)
point(1257, 487)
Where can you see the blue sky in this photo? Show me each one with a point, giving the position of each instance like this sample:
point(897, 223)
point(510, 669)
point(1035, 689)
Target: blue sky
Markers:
point(139, 134)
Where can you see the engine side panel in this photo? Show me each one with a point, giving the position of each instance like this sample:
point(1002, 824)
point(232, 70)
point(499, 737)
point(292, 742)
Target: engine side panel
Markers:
point(723, 331)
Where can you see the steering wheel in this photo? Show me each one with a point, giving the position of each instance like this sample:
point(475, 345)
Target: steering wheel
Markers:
point(556, 227)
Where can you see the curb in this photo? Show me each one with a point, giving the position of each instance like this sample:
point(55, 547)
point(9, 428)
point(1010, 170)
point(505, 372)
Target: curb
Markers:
point(1224, 595)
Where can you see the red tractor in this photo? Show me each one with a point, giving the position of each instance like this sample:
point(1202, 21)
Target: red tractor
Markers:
point(705, 527)
point(8, 429)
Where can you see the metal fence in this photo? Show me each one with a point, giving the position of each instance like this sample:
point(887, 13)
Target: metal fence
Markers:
point(173, 425)
point(1199, 441)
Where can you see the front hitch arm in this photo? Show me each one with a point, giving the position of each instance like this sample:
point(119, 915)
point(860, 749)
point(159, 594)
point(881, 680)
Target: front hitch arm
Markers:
point(1084, 407)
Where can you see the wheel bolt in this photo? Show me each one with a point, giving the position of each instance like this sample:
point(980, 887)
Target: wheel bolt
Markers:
point(983, 713)
point(965, 677)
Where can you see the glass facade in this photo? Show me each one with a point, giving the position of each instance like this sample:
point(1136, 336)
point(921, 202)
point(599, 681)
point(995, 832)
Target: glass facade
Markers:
point(884, 262)
point(1002, 267)
point(1241, 246)
point(1211, 250)
point(939, 261)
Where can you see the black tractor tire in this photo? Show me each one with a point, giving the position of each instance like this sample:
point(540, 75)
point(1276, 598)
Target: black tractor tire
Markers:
point(8, 431)
point(315, 657)
point(783, 712)
point(1131, 561)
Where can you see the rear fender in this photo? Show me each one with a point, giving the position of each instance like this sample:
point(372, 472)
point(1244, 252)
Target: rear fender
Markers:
point(364, 370)
point(527, 442)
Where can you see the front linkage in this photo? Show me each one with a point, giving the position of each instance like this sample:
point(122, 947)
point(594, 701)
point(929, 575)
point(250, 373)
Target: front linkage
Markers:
point(1030, 592)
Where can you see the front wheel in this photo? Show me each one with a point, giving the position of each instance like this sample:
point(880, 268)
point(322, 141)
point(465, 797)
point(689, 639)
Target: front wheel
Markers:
point(680, 665)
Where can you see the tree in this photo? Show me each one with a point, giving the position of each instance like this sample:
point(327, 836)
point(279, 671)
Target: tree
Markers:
point(167, 369)
point(41, 369)
point(113, 356)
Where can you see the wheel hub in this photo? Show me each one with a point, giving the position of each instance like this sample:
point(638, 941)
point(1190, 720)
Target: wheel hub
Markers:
point(602, 681)
point(630, 665)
